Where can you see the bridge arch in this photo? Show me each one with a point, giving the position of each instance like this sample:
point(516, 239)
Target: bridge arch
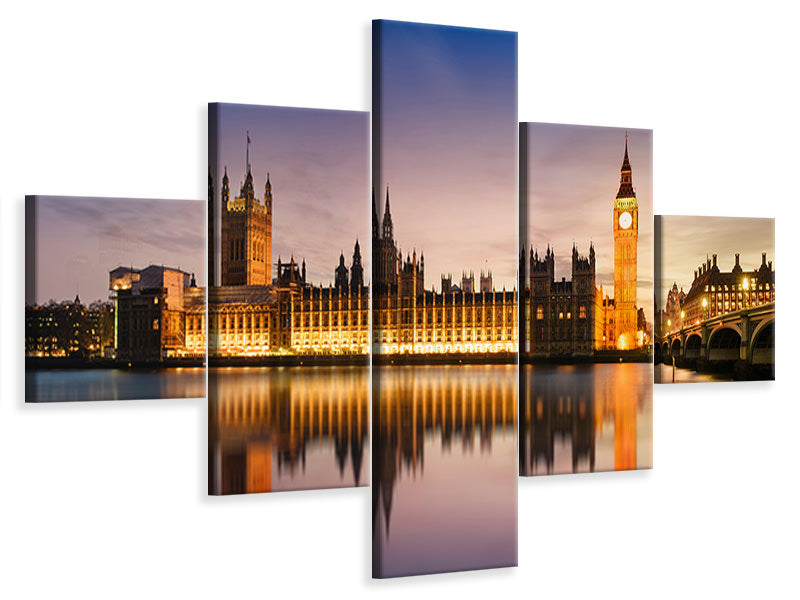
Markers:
point(675, 348)
point(724, 344)
point(762, 344)
point(693, 347)
point(665, 352)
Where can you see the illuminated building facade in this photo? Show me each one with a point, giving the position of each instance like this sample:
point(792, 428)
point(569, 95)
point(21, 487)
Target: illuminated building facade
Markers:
point(726, 292)
point(254, 313)
point(626, 235)
point(155, 309)
point(574, 318)
point(408, 319)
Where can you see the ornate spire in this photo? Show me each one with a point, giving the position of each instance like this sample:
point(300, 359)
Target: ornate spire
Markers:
point(388, 228)
point(625, 179)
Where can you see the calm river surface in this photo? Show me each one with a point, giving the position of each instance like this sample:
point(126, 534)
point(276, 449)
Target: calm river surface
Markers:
point(669, 374)
point(78, 385)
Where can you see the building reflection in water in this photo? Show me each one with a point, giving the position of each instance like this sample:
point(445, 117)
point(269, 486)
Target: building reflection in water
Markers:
point(445, 493)
point(581, 418)
point(278, 428)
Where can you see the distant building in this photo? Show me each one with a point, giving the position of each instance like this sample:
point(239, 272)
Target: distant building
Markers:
point(68, 329)
point(671, 318)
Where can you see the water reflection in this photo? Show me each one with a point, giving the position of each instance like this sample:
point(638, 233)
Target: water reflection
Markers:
point(669, 374)
point(113, 384)
point(580, 418)
point(278, 428)
point(445, 497)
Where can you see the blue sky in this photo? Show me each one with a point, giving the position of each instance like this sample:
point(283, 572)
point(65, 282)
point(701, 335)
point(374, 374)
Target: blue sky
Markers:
point(446, 105)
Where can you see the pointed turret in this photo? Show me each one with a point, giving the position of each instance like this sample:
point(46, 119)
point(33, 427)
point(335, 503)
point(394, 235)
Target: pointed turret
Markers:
point(226, 189)
point(356, 269)
point(387, 227)
point(341, 272)
point(625, 176)
point(268, 192)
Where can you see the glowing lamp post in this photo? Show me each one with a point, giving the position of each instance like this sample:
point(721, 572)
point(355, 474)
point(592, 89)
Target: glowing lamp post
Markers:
point(705, 307)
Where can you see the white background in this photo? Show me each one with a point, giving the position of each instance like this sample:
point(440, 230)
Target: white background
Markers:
point(108, 500)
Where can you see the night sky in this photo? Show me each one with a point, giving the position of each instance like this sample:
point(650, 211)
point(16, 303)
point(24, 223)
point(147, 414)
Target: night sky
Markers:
point(318, 166)
point(686, 242)
point(448, 148)
point(574, 176)
point(79, 240)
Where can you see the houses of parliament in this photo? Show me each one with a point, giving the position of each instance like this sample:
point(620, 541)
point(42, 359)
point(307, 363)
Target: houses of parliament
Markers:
point(254, 312)
point(574, 318)
point(408, 319)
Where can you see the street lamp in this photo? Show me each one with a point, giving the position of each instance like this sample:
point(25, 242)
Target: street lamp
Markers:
point(705, 307)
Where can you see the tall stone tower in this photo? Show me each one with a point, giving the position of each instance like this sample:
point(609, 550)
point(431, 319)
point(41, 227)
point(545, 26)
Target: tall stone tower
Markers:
point(626, 235)
point(246, 244)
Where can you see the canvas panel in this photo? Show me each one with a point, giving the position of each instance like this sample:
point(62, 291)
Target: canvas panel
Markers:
point(715, 299)
point(289, 309)
point(587, 311)
point(444, 303)
point(112, 287)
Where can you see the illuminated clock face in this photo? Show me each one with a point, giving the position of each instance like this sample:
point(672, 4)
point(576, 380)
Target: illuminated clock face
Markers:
point(625, 220)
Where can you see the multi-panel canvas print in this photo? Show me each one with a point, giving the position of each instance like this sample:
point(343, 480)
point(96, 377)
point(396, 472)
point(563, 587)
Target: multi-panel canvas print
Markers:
point(715, 299)
point(586, 281)
point(111, 286)
point(444, 388)
point(289, 259)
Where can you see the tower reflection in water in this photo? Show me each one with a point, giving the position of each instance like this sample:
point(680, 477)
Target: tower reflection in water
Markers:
point(277, 428)
point(582, 418)
point(445, 493)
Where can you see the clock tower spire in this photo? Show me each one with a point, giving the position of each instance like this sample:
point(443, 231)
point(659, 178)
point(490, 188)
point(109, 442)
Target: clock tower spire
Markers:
point(626, 235)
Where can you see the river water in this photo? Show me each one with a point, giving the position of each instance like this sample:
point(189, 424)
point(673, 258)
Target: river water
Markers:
point(80, 385)
point(582, 418)
point(287, 428)
point(669, 374)
point(445, 469)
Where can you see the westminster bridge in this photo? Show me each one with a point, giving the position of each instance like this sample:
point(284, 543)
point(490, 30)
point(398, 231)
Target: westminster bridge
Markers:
point(742, 341)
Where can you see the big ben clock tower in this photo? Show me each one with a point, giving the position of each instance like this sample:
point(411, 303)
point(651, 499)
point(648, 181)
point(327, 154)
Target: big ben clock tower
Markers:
point(626, 234)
